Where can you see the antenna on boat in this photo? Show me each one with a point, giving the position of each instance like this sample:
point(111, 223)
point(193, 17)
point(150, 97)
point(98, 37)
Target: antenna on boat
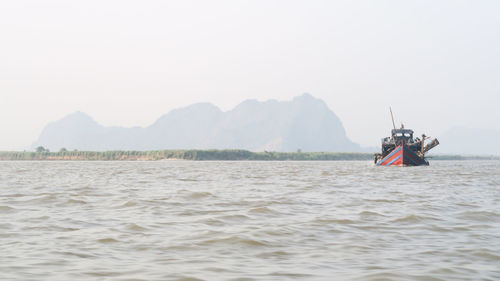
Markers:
point(392, 116)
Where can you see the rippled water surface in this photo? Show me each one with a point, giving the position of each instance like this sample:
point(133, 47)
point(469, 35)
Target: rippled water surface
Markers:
point(181, 220)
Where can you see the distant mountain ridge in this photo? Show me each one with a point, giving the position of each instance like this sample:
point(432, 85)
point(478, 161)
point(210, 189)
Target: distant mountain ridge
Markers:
point(304, 123)
point(469, 141)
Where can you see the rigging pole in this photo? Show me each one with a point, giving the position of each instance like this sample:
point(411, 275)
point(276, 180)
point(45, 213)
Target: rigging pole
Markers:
point(392, 116)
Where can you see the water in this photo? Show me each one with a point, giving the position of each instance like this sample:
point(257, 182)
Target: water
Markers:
point(180, 220)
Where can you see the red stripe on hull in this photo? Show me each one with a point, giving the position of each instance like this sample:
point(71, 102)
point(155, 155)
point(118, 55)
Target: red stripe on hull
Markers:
point(393, 158)
point(402, 156)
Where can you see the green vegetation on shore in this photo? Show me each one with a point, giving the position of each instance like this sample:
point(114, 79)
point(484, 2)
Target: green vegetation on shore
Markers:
point(193, 154)
point(462, 157)
point(204, 155)
point(42, 153)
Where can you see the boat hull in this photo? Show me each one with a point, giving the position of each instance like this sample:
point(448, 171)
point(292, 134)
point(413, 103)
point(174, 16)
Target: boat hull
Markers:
point(402, 156)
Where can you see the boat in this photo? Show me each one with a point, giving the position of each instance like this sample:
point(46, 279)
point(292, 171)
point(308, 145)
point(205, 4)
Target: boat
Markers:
point(402, 149)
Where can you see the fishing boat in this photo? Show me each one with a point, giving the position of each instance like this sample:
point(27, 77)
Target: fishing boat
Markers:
point(402, 149)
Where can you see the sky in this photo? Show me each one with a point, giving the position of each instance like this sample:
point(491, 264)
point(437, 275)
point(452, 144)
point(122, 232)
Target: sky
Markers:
point(126, 63)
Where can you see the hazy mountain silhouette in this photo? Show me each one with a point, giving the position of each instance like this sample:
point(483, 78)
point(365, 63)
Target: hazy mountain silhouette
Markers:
point(468, 141)
point(304, 123)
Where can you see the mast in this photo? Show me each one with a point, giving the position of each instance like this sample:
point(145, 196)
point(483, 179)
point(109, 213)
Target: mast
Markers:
point(392, 116)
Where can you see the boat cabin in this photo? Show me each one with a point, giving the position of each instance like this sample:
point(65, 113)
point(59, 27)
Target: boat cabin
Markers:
point(405, 135)
point(400, 136)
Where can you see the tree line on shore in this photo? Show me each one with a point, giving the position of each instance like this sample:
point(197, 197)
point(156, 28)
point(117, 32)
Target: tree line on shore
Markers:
point(42, 153)
point(191, 154)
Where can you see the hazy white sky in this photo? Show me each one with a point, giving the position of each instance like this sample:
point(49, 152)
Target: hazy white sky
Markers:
point(125, 63)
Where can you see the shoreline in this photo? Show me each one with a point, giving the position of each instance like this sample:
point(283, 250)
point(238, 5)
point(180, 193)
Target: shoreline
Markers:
point(206, 155)
point(192, 154)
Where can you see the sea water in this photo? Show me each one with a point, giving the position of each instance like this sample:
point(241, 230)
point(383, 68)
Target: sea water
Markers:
point(186, 220)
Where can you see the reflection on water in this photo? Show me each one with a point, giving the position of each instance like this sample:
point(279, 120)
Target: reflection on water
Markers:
point(179, 220)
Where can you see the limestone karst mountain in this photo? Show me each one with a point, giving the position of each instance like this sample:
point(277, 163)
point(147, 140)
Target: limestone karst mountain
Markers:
point(304, 123)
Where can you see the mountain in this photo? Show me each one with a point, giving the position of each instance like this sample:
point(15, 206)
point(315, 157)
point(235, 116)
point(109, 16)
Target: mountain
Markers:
point(304, 123)
point(469, 141)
